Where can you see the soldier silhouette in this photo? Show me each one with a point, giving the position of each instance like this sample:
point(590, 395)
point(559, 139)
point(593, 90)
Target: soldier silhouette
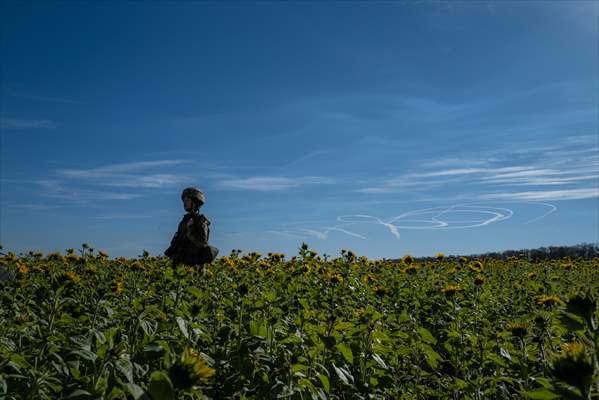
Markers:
point(190, 244)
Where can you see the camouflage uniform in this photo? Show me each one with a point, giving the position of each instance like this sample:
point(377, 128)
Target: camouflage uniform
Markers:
point(190, 243)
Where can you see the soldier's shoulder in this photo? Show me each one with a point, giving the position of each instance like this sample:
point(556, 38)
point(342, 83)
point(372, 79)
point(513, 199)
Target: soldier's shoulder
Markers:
point(205, 219)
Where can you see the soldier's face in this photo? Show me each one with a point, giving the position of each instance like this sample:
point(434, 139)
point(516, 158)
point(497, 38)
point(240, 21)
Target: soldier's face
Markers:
point(187, 204)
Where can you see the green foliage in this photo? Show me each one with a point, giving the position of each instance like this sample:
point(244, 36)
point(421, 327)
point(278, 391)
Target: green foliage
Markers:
point(251, 327)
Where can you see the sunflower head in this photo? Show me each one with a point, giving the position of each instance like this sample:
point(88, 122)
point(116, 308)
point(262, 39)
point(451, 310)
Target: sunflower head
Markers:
point(334, 278)
point(517, 329)
point(380, 290)
point(118, 286)
point(410, 269)
point(584, 306)
point(450, 290)
point(549, 300)
point(476, 266)
point(242, 289)
point(407, 259)
point(22, 268)
point(574, 366)
point(72, 277)
point(190, 370)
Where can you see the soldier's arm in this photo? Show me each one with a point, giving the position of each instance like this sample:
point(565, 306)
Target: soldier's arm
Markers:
point(175, 238)
point(174, 241)
point(198, 231)
point(171, 249)
point(203, 229)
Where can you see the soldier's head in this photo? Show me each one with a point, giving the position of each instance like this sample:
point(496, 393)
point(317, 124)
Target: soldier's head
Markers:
point(193, 198)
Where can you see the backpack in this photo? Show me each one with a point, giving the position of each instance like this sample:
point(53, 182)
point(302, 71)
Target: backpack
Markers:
point(207, 254)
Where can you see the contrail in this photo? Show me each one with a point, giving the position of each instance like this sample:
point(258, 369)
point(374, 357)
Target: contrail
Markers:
point(420, 219)
point(288, 234)
point(347, 232)
point(552, 209)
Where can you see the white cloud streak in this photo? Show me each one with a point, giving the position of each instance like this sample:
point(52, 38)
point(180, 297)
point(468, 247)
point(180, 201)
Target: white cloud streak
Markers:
point(270, 183)
point(47, 99)
point(57, 189)
point(22, 124)
point(112, 217)
point(34, 207)
point(128, 174)
point(547, 195)
point(319, 233)
point(571, 165)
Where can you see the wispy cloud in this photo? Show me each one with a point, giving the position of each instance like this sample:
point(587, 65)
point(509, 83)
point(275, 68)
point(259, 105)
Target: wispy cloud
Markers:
point(319, 233)
point(468, 171)
point(449, 162)
point(33, 206)
point(135, 181)
point(48, 99)
point(128, 174)
point(16, 124)
point(57, 189)
point(111, 182)
point(583, 14)
point(547, 195)
point(270, 183)
point(571, 165)
point(134, 166)
point(112, 217)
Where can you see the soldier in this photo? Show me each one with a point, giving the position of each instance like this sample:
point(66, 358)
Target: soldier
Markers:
point(190, 243)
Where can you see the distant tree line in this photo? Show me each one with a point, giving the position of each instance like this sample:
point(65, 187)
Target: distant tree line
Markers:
point(582, 250)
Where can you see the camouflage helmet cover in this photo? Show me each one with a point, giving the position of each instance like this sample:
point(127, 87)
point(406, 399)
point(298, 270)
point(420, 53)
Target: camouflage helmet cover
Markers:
point(194, 194)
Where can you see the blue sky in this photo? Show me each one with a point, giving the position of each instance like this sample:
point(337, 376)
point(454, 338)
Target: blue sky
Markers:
point(388, 128)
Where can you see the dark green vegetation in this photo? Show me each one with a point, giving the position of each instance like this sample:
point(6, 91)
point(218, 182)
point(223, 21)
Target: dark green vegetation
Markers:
point(84, 326)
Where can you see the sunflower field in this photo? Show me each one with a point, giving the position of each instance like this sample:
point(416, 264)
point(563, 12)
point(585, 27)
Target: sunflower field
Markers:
point(84, 326)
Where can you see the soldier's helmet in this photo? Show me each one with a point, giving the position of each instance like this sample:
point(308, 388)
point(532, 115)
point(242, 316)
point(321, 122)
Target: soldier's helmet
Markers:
point(194, 194)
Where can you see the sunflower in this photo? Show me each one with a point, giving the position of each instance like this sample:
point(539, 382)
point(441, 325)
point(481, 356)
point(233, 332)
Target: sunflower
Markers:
point(91, 270)
point(476, 266)
point(517, 329)
point(22, 268)
point(334, 277)
point(410, 269)
point(118, 286)
point(549, 300)
point(190, 370)
point(380, 290)
point(584, 306)
point(575, 366)
point(407, 259)
point(72, 277)
point(568, 266)
point(54, 257)
point(72, 257)
point(450, 290)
